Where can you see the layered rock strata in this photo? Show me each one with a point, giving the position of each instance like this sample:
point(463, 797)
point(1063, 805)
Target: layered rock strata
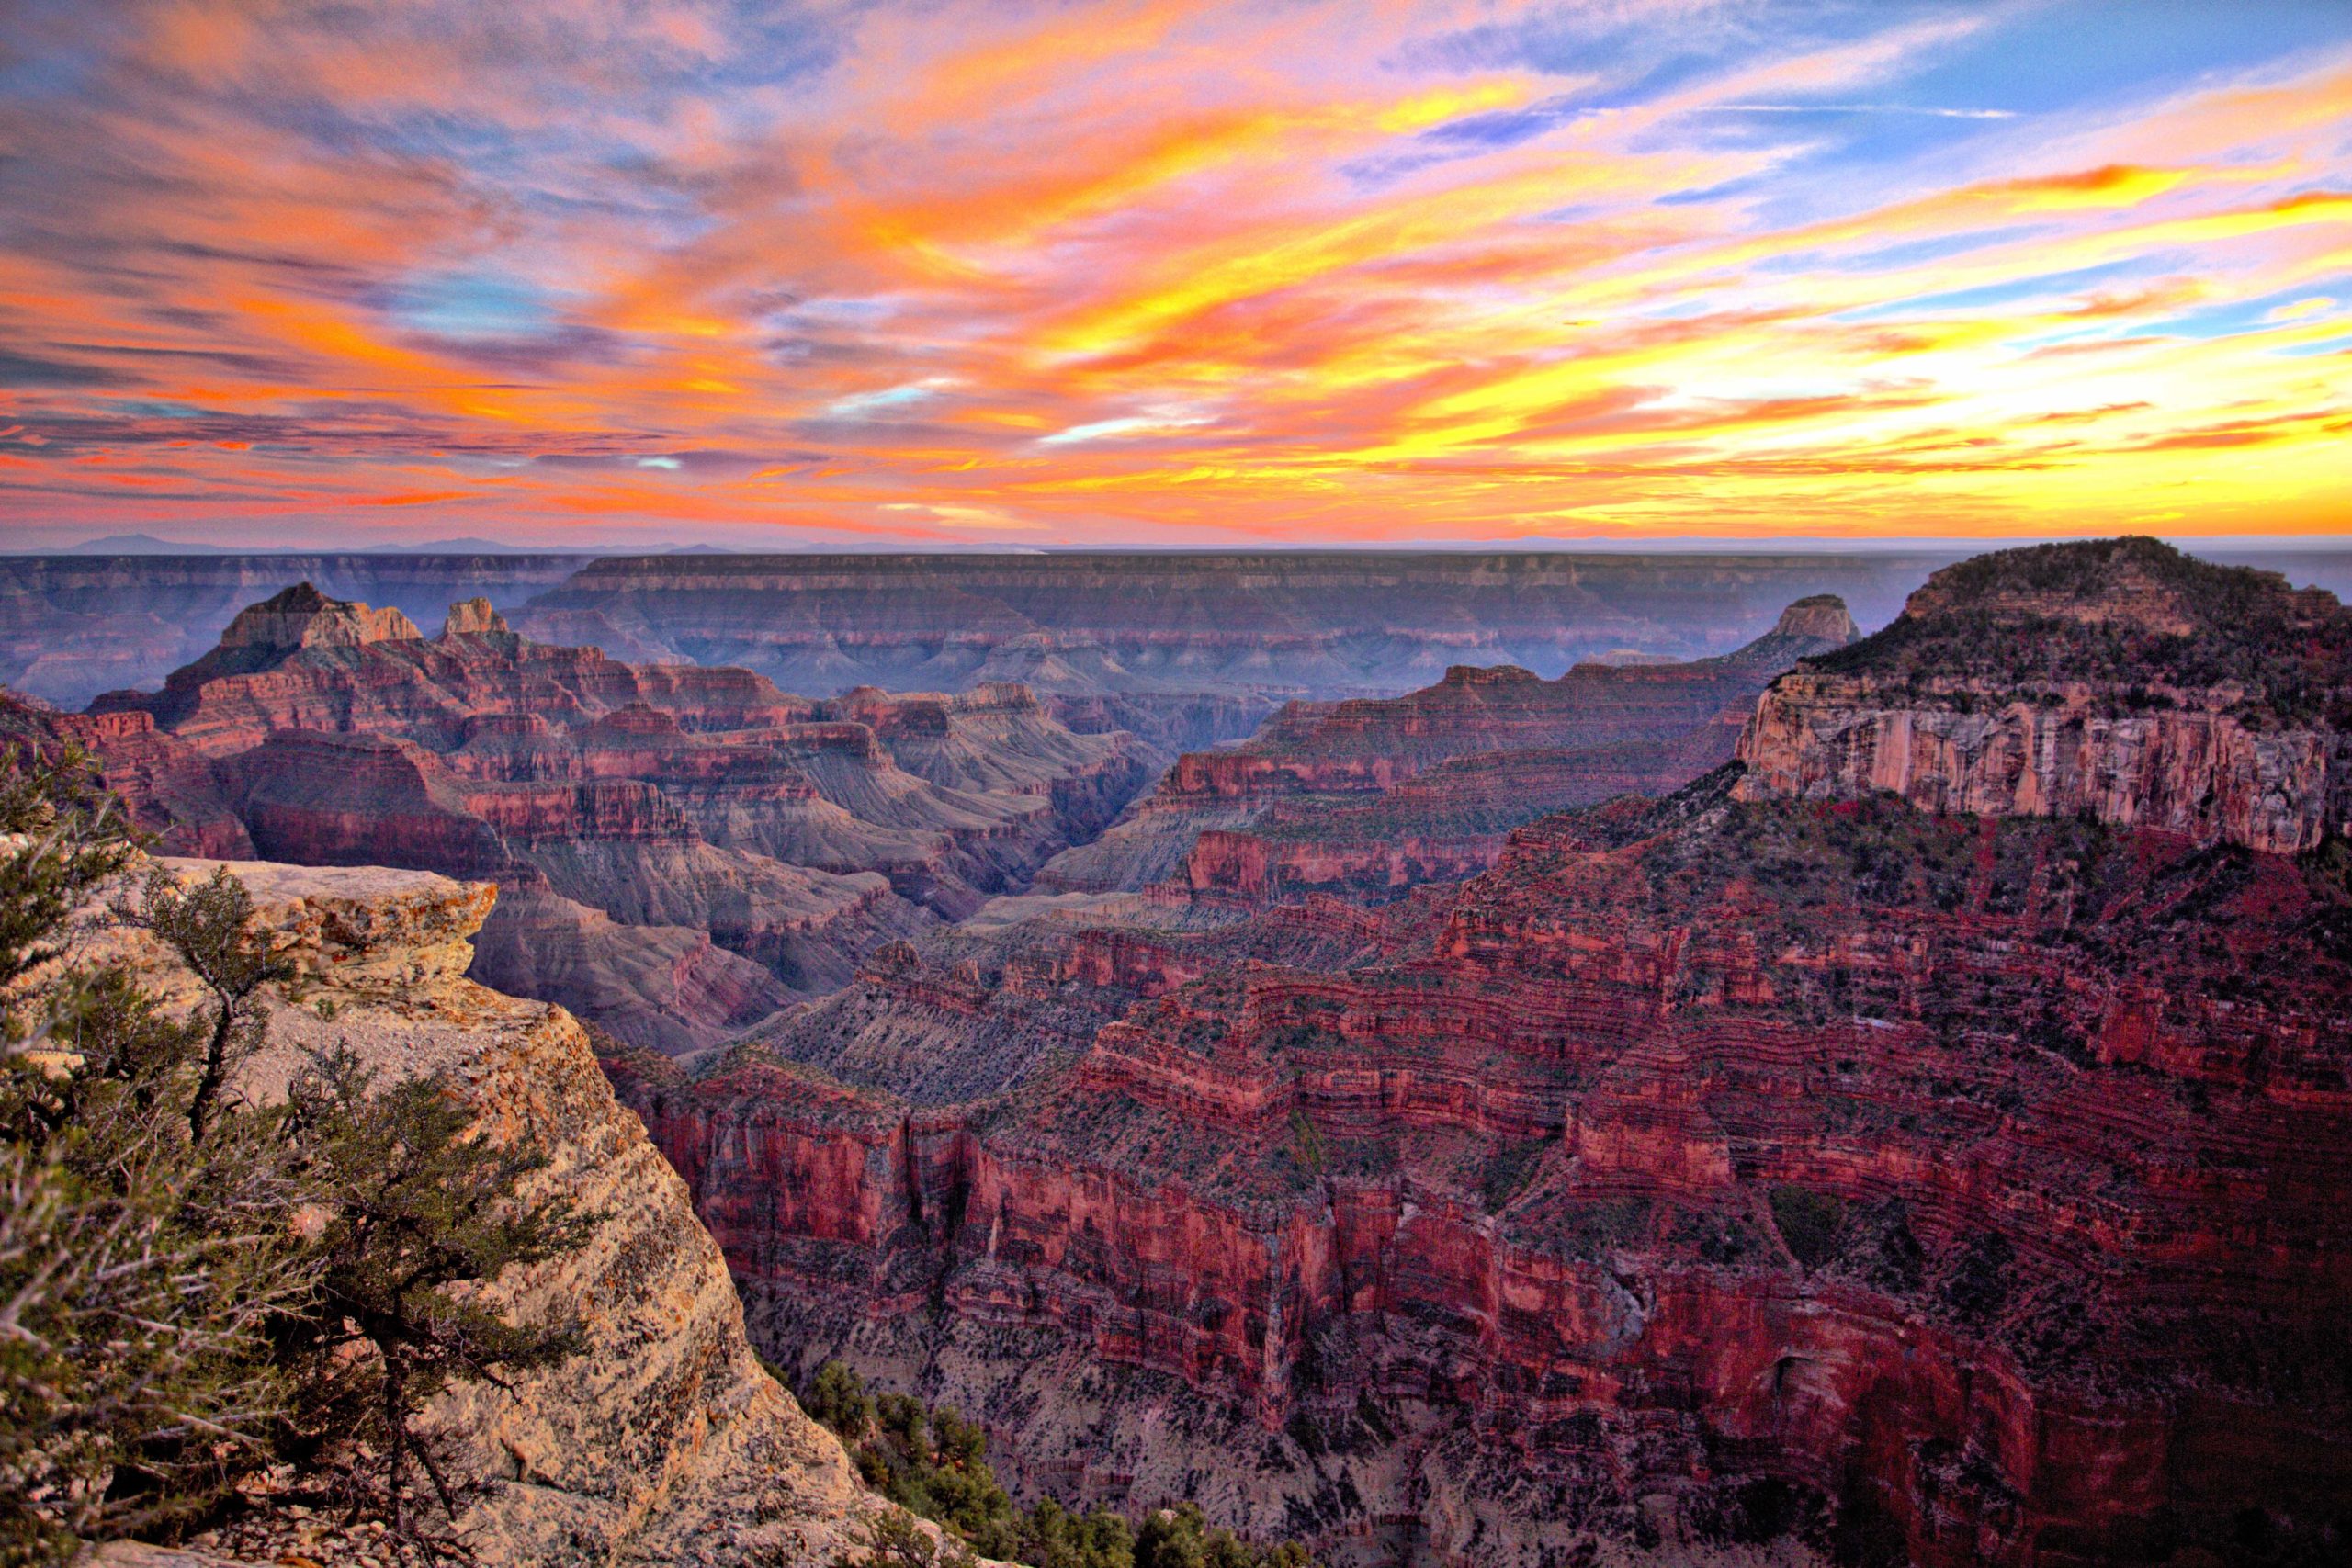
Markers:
point(685, 850)
point(1164, 629)
point(1370, 795)
point(2122, 680)
point(71, 626)
point(1764, 1162)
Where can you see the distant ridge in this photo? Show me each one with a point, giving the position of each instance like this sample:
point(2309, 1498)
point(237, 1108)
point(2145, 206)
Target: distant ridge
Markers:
point(137, 545)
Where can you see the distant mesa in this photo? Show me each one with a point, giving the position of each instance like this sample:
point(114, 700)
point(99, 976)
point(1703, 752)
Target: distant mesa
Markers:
point(138, 545)
point(1821, 617)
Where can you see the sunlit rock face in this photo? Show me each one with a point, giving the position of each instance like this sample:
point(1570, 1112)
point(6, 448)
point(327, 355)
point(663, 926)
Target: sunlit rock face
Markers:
point(661, 1441)
point(1940, 1184)
point(2120, 680)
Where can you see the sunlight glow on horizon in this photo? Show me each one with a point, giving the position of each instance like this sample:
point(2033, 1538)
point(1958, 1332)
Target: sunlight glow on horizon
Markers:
point(1149, 273)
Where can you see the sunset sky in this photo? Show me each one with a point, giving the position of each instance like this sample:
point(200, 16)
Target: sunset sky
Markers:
point(616, 271)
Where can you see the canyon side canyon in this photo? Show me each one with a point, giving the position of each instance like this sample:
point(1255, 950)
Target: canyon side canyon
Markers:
point(1455, 1061)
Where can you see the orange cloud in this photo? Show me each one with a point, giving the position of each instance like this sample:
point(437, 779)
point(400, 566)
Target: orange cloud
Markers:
point(1146, 271)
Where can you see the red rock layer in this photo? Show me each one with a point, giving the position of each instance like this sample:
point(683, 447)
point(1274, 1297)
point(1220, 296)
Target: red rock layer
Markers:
point(1943, 1170)
point(1372, 795)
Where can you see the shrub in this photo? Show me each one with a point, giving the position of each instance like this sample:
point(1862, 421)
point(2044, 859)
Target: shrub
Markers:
point(1810, 1223)
point(143, 1252)
point(930, 1462)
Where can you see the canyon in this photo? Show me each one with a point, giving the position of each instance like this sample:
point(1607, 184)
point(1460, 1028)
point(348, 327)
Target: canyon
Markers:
point(1832, 1149)
point(681, 850)
point(1374, 794)
point(1711, 1089)
point(1184, 651)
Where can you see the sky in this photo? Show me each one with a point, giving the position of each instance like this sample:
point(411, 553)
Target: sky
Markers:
point(947, 274)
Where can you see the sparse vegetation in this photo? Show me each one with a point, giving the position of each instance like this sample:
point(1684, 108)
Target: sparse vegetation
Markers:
point(208, 927)
point(2217, 625)
point(931, 1462)
point(1307, 1144)
point(1510, 1170)
point(195, 1289)
point(1809, 1222)
point(418, 1211)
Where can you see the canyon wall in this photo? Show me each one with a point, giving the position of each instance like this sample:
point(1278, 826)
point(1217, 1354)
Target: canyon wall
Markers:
point(1634, 1203)
point(2121, 681)
point(1305, 624)
point(1373, 794)
point(1770, 1161)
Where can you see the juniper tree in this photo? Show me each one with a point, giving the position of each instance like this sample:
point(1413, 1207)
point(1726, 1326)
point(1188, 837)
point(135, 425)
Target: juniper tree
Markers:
point(208, 926)
point(60, 838)
point(140, 1269)
point(421, 1207)
point(893, 1540)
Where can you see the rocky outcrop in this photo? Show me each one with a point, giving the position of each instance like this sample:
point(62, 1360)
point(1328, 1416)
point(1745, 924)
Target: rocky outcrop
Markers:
point(474, 617)
point(662, 1441)
point(303, 617)
point(654, 824)
point(71, 626)
point(2121, 679)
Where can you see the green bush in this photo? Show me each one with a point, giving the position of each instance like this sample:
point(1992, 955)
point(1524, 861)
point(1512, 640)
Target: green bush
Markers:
point(930, 1462)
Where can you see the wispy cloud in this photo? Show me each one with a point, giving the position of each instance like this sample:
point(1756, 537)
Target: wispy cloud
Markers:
point(1863, 109)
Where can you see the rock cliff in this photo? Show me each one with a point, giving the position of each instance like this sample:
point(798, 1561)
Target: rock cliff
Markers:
point(1153, 635)
point(662, 1441)
point(685, 848)
point(71, 626)
point(2123, 679)
point(1380, 794)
